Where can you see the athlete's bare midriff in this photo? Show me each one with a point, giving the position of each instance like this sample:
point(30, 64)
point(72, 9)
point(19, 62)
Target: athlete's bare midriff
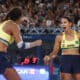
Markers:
point(3, 47)
point(70, 52)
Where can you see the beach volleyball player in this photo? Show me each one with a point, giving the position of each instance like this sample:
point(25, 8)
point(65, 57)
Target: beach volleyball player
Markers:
point(9, 32)
point(69, 42)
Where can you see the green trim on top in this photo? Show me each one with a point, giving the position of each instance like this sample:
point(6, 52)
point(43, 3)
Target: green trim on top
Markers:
point(4, 41)
point(69, 48)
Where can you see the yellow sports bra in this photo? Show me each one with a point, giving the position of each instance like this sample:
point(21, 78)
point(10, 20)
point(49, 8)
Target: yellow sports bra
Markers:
point(65, 44)
point(4, 37)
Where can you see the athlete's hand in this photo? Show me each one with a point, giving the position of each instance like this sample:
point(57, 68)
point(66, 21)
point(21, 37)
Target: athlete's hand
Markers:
point(46, 60)
point(38, 42)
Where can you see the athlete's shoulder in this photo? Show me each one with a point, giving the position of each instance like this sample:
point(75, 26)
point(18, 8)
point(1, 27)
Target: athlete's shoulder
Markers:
point(59, 36)
point(10, 25)
point(75, 31)
point(9, 22)
point(6, 23)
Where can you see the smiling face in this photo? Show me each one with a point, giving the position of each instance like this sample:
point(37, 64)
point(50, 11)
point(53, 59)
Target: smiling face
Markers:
point(66, 24)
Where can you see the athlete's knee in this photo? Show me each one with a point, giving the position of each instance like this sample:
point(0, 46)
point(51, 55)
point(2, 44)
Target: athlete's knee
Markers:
point(11, 74)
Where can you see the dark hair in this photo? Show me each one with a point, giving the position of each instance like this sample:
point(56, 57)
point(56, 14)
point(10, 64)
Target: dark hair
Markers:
point(68, 18)
point(14, 14)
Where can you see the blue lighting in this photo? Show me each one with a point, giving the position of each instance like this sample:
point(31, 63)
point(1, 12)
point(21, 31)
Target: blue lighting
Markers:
point(32, 72)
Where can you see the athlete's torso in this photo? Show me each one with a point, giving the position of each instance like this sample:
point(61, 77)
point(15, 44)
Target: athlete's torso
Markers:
point(5, 38)
point(70, 47)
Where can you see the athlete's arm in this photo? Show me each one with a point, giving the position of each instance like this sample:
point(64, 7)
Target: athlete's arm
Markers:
point(18, 39)
point(56, 48)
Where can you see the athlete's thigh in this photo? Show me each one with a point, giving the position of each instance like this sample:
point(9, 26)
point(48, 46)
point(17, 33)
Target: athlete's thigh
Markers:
point(76, 76)
point(65, 76)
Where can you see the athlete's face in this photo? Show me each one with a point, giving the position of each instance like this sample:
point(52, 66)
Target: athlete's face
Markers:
point(66, 25)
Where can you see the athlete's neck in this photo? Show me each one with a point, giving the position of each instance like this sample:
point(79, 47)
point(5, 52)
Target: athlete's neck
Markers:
point(69, 32)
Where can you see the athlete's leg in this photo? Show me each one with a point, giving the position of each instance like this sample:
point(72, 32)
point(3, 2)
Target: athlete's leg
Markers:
point(76, 76)
point(65, 76)
point(11, 74)
point(65, 67)
point(76, 68)
point(6, 68)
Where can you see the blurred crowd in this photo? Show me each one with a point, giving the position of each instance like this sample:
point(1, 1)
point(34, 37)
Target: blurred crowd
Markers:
point(43, 13)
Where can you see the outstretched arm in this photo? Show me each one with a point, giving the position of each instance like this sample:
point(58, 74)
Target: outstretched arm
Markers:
point(18, 39)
